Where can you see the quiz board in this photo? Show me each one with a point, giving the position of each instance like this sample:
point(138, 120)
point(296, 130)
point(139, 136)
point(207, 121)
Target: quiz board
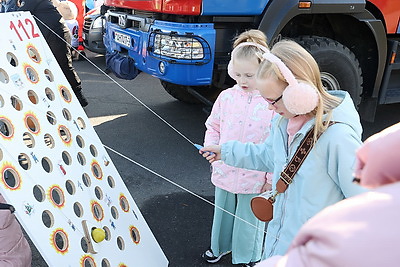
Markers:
point(68, 195)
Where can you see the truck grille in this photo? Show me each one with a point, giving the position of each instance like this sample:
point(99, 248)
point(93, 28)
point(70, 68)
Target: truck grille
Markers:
point(87, 24)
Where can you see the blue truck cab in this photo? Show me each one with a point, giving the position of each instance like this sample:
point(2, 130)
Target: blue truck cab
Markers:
point(187, 43)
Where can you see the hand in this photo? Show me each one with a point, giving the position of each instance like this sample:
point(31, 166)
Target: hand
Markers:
point(266, 187)
point(211, 153)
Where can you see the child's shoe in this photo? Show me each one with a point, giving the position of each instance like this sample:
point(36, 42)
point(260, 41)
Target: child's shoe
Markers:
point(209, 256)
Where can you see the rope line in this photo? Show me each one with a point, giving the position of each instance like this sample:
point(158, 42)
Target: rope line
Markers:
point(168, 124)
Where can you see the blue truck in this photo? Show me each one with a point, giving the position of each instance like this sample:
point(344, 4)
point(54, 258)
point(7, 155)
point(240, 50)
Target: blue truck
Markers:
point(187, 43)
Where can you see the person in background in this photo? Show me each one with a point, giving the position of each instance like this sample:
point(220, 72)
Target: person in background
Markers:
point(69, 12)
point(8, 6)
point(362, 230)
point(289, 80)
point(58, 37)
point(14, 248)
point(239, 113)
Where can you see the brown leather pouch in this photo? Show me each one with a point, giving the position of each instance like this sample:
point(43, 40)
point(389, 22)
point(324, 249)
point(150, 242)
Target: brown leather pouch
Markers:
point(263, 206)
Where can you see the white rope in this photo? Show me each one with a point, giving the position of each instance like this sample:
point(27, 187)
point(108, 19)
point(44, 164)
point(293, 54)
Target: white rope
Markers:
point(167, 123)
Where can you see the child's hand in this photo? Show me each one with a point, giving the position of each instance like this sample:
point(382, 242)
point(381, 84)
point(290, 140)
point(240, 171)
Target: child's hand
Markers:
point(211, 153)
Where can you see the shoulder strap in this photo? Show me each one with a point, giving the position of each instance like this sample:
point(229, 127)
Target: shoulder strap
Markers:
point(287, 175)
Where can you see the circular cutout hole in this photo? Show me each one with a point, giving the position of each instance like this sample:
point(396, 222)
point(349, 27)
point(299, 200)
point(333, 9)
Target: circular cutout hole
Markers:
point(78, 209)
point(49, 75)
point(66, 95)
point(49, 94)
point(11, 178)
point(64, 134)
point(33, 97)
point(93, 150)
point(60, 240)
point(81, 159)
point(86, 180)
point(105, 263)
point(81, 123)
point(51, 117)
point(123, 202)
point(4, 76)
point(66, 114)
point(6, 128)
point(120, 243)
point(88, 262)
point(49, 140)
point(111, 181)
point(114, 213)
point(135, 235)
point(66, 158)
point(47, 218)
point(97, 211)
point(31, 74)
point(39, 193)
point(70, 186)
point(34, 54)
point(28, 140)
point(12, 59)
point(96, 170)
point(24, 161)
point(47, 165)
point(84, 244)
point(32, 124)
point(80, 141)
point(57, 196)
point(16, 102)
point(108, 233)
point(98, 192)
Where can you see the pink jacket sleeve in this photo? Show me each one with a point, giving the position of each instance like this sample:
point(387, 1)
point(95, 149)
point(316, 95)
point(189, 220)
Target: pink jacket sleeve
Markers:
point(14, 249)
point(212, 135)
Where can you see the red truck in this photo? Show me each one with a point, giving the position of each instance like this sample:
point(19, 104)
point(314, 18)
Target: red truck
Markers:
point(187, 43)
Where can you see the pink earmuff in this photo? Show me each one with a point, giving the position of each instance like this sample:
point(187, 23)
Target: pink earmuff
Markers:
point(230, 64)
point(299, 97)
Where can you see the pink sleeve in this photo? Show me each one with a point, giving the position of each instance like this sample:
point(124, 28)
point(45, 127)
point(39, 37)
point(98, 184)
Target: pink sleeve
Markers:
point(14, 248)
point(212, 135)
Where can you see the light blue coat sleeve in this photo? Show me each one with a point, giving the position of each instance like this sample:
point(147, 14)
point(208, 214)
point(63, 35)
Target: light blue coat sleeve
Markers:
point(342, 148)
point(248, 155)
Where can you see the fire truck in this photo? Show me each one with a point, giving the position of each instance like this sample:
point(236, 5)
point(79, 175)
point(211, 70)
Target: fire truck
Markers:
point(187, 43)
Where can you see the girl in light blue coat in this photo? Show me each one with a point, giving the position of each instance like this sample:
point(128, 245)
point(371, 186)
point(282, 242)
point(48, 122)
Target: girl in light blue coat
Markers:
point(289, 80)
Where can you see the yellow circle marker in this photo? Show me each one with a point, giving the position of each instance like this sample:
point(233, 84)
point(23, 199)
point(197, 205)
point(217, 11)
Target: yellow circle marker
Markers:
point(98, 234)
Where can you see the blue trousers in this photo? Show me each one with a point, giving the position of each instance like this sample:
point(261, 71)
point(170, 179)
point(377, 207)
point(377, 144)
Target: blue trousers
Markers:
point(232, 234)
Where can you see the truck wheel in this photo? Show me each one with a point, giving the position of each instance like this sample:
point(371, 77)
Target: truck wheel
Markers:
point(340, 69)
point(181, 92)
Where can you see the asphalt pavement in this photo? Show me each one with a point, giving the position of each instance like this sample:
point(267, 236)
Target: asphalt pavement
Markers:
point(170, 181)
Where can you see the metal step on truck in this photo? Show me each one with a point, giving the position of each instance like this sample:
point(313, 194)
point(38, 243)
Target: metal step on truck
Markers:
point(187, 43)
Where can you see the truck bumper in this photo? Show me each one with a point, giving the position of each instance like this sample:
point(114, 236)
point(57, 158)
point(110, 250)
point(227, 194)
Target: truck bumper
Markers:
point(180, 53)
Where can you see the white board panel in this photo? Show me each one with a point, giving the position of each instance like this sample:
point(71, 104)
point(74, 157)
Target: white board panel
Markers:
point(54, 168)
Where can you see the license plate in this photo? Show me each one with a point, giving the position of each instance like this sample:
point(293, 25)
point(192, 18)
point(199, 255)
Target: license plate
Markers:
point(122, 39)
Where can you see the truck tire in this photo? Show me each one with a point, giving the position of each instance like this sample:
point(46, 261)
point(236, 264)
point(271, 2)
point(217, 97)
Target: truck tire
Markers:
point(181, 93)
point(340, 69)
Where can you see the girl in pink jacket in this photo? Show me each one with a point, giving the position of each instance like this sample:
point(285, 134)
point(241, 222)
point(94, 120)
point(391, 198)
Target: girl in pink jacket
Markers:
point(239, 113)
point(14, 249)
point(362, 230)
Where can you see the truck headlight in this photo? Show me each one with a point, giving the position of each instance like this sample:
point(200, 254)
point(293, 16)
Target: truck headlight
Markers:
point(98, 23)
point(178, 47)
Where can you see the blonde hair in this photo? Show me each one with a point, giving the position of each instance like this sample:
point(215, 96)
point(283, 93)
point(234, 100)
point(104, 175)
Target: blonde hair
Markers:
point(248, 51)
point(305, 69)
